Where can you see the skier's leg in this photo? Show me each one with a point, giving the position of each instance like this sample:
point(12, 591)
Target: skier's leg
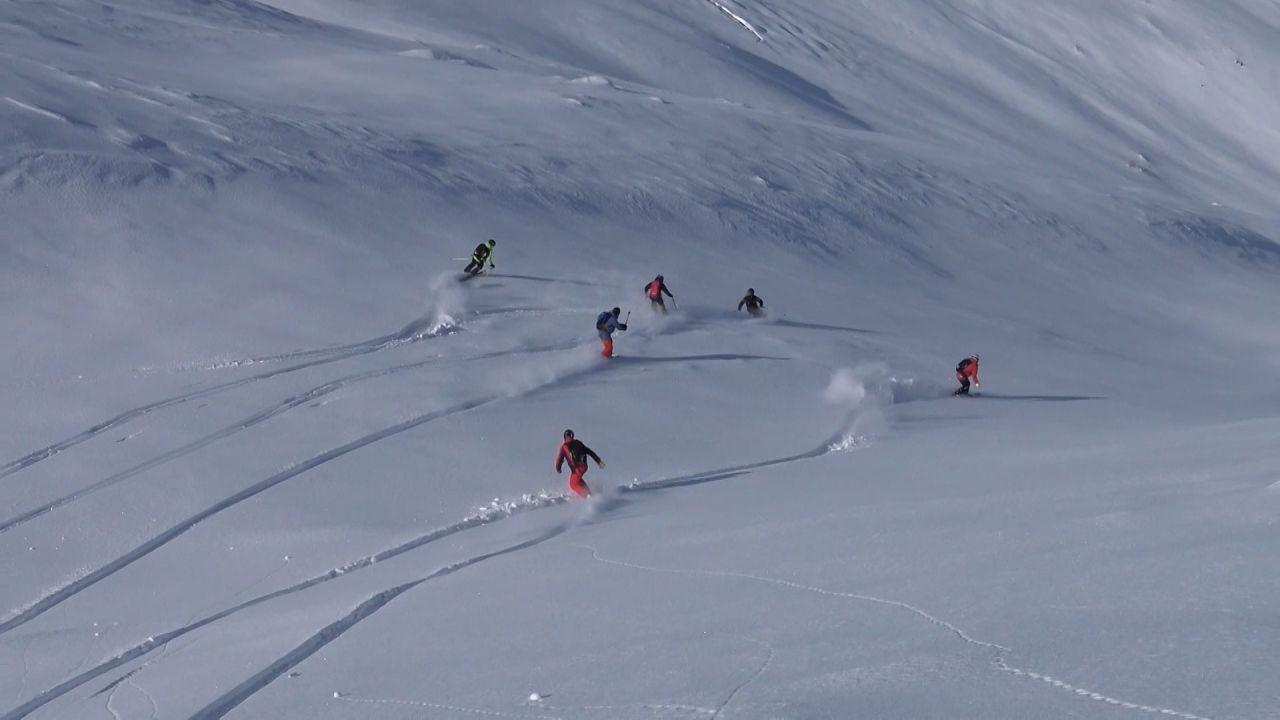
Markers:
point(576, 483)
point(472, 267)
point(607, 347)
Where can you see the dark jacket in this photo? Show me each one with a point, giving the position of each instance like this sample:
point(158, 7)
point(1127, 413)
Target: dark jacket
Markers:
point(576, 453)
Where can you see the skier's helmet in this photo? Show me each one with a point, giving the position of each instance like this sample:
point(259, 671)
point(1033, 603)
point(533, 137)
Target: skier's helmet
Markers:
point(658, 278)
point(975, 357)
point(751, 291)
point(492, 242)
point(616, 312)
point(568, 434)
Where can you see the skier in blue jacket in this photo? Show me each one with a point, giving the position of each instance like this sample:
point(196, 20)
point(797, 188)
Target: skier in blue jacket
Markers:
point(606, 323)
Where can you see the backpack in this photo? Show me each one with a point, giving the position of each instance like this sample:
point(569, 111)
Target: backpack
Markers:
point(655, 290)
point(964, 364)
point(603, 318)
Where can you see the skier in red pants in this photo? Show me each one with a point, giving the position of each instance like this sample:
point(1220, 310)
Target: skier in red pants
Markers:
point(576, 453)
point(967, 370)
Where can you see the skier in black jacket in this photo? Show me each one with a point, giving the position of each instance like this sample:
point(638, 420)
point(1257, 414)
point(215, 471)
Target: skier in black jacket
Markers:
point(754, 303)
point(484, 251)
point(574, 451)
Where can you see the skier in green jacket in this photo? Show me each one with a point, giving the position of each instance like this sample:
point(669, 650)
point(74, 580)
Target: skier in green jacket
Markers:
point(484, 251)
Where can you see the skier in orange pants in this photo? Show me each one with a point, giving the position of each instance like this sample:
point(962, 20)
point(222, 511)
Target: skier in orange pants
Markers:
point(606, 324)
point(576, 453)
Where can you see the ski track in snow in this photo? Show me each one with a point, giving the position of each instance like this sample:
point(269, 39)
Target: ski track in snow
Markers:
point(38, 607)
point(488, 514)
point(496, 511)
point(257, 418)
point(70, 590)
point(411, 333)
point(999, 651)
point(234, 697)
point(764, 665)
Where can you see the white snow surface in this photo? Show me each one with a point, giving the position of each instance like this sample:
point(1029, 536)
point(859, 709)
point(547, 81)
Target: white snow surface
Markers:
point(265, 457)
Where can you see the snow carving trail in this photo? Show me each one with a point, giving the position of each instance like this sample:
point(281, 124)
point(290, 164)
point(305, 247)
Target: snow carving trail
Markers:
point(242, 692)
point(488, 514)
point(257, 418)
point(999, 652)
point(497, 510)
point(760, 670)
point(411, 333)
point(70, 590)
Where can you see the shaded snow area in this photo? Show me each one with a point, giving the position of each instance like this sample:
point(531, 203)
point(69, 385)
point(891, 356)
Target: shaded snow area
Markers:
point(266, 455)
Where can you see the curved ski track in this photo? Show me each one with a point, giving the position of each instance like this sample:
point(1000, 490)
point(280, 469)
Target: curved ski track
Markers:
point(999, 652)
point(485, 516)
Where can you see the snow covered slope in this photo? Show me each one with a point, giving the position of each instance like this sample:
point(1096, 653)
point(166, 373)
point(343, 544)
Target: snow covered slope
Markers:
point(255, 428)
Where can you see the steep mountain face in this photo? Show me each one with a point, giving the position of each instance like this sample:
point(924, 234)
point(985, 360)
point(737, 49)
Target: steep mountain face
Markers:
point(255, 426)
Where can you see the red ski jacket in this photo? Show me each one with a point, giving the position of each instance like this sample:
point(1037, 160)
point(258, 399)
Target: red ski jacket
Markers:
point(575, 452)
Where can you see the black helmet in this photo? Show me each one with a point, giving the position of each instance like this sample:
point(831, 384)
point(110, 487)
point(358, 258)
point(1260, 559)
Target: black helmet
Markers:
point(492, 242)
point(751, 291)
point(659, 277)
point(616, 311)
point(568, 433)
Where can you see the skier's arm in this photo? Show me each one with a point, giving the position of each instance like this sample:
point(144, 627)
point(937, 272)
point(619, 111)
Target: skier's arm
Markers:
point(491, 265)
point(665, 290)
point(593, 456)
point(559, 459)
point(742, 302)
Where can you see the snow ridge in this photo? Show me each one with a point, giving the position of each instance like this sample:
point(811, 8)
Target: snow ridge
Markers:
point(740, 20)
point(999, 651)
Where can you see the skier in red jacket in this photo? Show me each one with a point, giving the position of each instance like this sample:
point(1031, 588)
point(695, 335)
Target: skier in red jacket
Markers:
point(654, 291)
point(968, 368)
point(576, 453)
